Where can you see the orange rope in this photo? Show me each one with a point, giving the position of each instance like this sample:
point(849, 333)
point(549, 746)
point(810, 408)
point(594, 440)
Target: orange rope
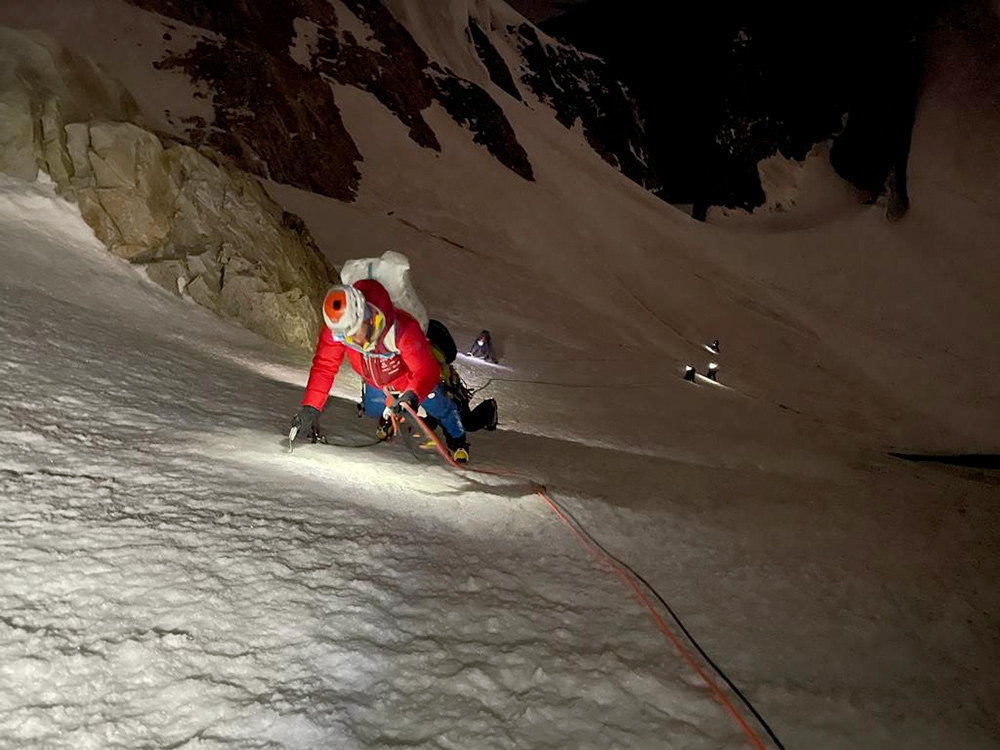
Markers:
point(617, 569)
point(660, 623)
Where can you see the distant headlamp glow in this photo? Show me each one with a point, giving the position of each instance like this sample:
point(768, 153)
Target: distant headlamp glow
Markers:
point(689, 372)
point(713, 371)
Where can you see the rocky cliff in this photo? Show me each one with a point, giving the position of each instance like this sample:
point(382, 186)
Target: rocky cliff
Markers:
point(283, 56)
point(200, 229)
point(259, 82)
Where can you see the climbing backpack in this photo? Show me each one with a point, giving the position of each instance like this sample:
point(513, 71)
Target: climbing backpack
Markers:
point(441, 338)
point(392, 271)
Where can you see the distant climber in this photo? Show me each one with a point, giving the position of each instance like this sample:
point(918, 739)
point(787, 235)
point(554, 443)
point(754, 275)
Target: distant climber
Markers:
point(484, 415)
point(482, 347)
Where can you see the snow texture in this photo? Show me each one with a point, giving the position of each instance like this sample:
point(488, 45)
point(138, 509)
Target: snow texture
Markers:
point(170, 577)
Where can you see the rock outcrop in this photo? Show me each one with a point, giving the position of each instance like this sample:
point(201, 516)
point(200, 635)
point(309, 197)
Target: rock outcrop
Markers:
point(492, 60)
point(283, 56)
point(581, 89)
point(267, 78)
point(42, 87)
point(202, 231)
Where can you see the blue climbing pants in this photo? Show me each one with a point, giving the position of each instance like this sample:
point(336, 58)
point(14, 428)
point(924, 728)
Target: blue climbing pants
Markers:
point(437, 405)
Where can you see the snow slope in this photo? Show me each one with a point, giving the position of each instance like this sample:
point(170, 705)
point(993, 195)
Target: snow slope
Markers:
point(343, 597)
point(171, 577)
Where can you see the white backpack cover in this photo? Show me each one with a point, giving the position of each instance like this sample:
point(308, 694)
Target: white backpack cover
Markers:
point(392, 271)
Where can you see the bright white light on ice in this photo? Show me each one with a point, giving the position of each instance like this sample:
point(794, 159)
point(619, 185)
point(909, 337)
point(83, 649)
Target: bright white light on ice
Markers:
point(374, 476)
point(291, 375)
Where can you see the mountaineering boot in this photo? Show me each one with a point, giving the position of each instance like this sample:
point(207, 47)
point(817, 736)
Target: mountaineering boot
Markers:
point(384, 430)
point(459, 449)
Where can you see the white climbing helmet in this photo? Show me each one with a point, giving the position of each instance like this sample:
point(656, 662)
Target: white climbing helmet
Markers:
point(343, 310)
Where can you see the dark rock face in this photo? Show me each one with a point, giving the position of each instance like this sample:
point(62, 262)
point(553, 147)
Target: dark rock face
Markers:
point(723, 85)
point(406, 82)
point(495, 65)
point(272, 117)
point(582, 88)
point(472, 107)
point(278, 117)
point(293, 133)
point(394, 74)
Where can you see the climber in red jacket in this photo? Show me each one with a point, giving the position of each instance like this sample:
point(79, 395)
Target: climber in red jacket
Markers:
point(390, 352)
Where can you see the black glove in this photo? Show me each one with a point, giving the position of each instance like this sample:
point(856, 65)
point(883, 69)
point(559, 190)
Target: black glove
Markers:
point(304, 420)
point(406, 397)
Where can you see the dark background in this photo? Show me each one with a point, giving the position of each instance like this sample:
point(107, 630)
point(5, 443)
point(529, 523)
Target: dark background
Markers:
point(723, 85)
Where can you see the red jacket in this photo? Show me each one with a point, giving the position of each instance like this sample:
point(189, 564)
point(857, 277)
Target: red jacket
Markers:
point(400, 360)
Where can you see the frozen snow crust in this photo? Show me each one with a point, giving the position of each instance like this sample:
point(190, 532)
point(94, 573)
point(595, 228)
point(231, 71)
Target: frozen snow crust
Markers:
point(169, 577)
point(172, 578)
